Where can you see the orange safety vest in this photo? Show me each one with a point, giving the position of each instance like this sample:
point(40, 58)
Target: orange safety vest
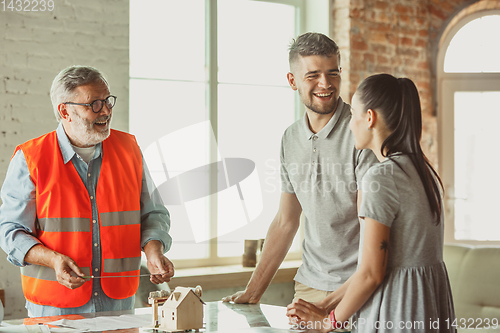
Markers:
point(64, 216)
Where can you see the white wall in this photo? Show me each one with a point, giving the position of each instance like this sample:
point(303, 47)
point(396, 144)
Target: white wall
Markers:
point(318, 16)
point(34, 47)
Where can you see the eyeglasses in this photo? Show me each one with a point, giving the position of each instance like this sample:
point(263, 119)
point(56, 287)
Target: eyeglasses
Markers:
point(98, 104)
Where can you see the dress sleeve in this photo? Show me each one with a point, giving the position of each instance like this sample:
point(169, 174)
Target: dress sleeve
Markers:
point(379, 195)
point(18, 211)
point(365, 159)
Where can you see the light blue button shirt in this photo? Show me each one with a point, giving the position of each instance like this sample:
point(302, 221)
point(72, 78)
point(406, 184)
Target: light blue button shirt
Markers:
point(18, 216)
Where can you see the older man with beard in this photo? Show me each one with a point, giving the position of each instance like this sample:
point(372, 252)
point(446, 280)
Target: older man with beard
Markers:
point(78, 206)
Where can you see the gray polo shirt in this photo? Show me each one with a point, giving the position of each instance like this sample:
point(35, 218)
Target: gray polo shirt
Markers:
point(322, 170)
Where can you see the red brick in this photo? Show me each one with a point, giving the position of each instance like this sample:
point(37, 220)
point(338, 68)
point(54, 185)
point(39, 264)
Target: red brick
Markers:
point(422, 85)
point(382, 27)
point(404, 19)
point(422, 11)
point(355, 78)
point(423, 33)
point(369, 57)
point(409, 64)
point(420, 43)
point(383, 5)
point(356, 13)
point(401, 9)
point(405, 41)
point(358, 66)
point(393, 39)
point(419, 21)
point(409, 52)
point(434, 11)
point(396, 61)
point(446, 7)
point(384, 17)
point(384, 69)
point(379, 38)
point(356, 56)
point(423, 65)
point(357, 3)
point(419, 74)
point(358, 45)
point(378, 48)
point(357, 28)
point(382, 60)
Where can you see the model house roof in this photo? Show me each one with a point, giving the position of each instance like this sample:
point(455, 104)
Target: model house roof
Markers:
point(179, 295)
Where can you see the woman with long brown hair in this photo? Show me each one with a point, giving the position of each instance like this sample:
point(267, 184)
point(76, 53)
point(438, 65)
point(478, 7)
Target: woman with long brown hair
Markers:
point(401, 283)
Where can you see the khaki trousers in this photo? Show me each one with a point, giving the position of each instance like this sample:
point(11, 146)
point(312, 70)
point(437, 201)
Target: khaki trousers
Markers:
point(309, 294)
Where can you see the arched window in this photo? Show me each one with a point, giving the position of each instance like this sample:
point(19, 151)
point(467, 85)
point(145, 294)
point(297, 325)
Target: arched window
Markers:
point(469, 114)
point(474, 48)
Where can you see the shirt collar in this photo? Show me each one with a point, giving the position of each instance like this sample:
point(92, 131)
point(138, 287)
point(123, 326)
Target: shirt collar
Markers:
point(325, 131)
point(67, 151)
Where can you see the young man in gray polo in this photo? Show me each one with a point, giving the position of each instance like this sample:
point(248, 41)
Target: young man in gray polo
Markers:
point(320, 168)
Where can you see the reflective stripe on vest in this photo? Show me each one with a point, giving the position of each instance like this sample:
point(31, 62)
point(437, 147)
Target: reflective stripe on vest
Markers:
point(121, 265)
point(65, 225)
point(71, 224)
point(45, 273)
point(119, 218)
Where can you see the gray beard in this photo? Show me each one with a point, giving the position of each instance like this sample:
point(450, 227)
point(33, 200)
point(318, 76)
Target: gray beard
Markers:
point(87, 134)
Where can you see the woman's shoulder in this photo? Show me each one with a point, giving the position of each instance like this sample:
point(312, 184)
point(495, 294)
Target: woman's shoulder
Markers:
point(390, 173)
point(392, 165)
point(382, 169)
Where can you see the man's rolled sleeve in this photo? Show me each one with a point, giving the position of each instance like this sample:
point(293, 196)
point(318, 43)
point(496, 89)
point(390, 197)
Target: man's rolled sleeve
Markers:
point(155, 218)
point(18, 211)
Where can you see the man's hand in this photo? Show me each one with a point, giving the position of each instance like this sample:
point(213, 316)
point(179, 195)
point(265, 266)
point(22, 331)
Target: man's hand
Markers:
point(279, 238)
point(159, 266)
point(304, 314)
point(64, 266)
point(241, 297)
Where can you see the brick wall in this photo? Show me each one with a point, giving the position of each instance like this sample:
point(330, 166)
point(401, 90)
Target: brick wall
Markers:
point(398, 37)
point(34, 47)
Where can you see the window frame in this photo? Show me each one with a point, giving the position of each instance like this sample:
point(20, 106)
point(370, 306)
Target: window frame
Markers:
point(447, 85)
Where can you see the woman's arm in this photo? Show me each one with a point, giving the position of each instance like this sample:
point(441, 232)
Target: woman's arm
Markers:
point(332, 300)
point(371, 272)
point(351, 296)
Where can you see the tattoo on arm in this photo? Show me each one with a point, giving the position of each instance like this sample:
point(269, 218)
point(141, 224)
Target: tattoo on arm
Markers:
point(384, 246)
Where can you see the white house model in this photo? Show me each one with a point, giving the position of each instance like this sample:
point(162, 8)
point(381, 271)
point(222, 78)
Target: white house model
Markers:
point(183, 310)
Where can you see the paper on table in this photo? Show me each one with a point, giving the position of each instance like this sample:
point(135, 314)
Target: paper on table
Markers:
point(106, 323)
point(14, 329)
point(25, 329)
point(44, 320)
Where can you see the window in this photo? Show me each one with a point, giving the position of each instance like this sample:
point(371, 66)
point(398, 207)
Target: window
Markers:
point(469, 110)
point(472, 50)
point(209, 102)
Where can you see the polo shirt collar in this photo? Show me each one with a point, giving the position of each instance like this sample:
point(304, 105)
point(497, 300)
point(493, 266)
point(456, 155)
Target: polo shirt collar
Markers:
point(325, 131)
point(67, 150)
